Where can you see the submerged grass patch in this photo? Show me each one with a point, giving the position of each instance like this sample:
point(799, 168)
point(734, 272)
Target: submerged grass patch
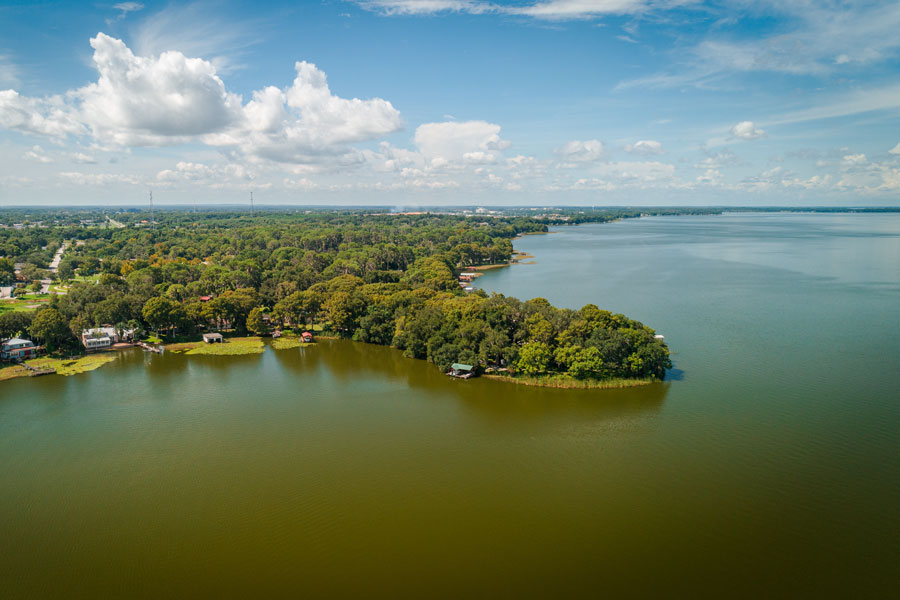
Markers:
point(568, 382)
point(73, 366)
point(230, 347)
point(183, 347)
point(63, 366)
point(13, 372)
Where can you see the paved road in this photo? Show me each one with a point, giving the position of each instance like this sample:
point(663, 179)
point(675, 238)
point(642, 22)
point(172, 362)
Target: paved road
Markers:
point(54, 264)
point(54, 267)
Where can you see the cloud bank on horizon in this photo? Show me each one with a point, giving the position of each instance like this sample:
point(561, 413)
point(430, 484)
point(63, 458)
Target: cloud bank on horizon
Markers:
point(555, 102)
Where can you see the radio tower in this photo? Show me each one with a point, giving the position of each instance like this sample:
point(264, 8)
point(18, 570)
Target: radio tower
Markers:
point(151, 208)
point(251, 203)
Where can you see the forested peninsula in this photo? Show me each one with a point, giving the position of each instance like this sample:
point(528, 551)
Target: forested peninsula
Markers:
point(389, 279)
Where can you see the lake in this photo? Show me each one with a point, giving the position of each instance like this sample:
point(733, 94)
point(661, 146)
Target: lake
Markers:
point(766, 465)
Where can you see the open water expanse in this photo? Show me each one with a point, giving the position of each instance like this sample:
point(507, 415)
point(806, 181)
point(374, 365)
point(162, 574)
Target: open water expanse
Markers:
point(768, 465)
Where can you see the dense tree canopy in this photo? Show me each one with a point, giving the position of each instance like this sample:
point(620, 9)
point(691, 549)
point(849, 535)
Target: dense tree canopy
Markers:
point(377, 278)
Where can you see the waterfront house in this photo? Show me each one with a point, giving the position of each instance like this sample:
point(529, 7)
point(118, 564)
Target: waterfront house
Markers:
point(306, 337)
point(98, 338)
point(213, 338)
point(17, 349)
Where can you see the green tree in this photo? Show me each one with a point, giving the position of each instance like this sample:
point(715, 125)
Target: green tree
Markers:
point(7, 271)
point(534, 358)
point(77, 325)
point(176, 292)
point(50, 328)
point(579, 362)
point(377, 327)
point(345, 310)
point(445, 355)
point(15, 323)
point(160, 312)
point(65, 271)
point(538, 329)
point(256, 323)
point(137, 328)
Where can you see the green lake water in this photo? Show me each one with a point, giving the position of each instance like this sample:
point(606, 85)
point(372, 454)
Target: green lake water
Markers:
point(766, 466)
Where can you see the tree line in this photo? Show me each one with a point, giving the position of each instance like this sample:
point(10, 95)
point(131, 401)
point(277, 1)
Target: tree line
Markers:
point(376, 278)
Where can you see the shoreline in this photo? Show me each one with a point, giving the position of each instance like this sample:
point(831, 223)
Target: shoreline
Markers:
point(516, 259)
point(245, 346)
point(569, 383)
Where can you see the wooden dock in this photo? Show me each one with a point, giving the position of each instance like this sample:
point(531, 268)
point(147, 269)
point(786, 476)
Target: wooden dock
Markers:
point(149, 348)
point(37, 372)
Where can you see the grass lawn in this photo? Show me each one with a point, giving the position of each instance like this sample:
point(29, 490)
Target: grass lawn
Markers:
point(10, 305)
point(287, 341)
point(74, 366)
point(86, 278)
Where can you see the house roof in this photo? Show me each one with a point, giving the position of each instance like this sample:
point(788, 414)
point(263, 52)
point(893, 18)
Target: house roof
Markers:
point(212, 335)
point(105, 331)
point(16, 342)
point(461, 367)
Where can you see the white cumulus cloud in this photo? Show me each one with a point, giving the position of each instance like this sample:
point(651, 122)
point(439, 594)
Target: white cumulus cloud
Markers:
point(747, 130)
point(37, 154)
point(153, 101)
point(84, 159)
point(581, 151)
point(306, 122)
point(173, 99)
point(50, 116)
point(645, 147)
point(450, 141)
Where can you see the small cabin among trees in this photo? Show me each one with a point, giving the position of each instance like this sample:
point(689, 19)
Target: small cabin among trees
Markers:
point(461, 370)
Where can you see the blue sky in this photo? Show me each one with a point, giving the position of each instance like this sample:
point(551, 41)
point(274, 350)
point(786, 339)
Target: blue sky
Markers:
point(427, 102)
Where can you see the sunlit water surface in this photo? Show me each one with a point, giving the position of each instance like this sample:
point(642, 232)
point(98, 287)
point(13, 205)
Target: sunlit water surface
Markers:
point(767, 465)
